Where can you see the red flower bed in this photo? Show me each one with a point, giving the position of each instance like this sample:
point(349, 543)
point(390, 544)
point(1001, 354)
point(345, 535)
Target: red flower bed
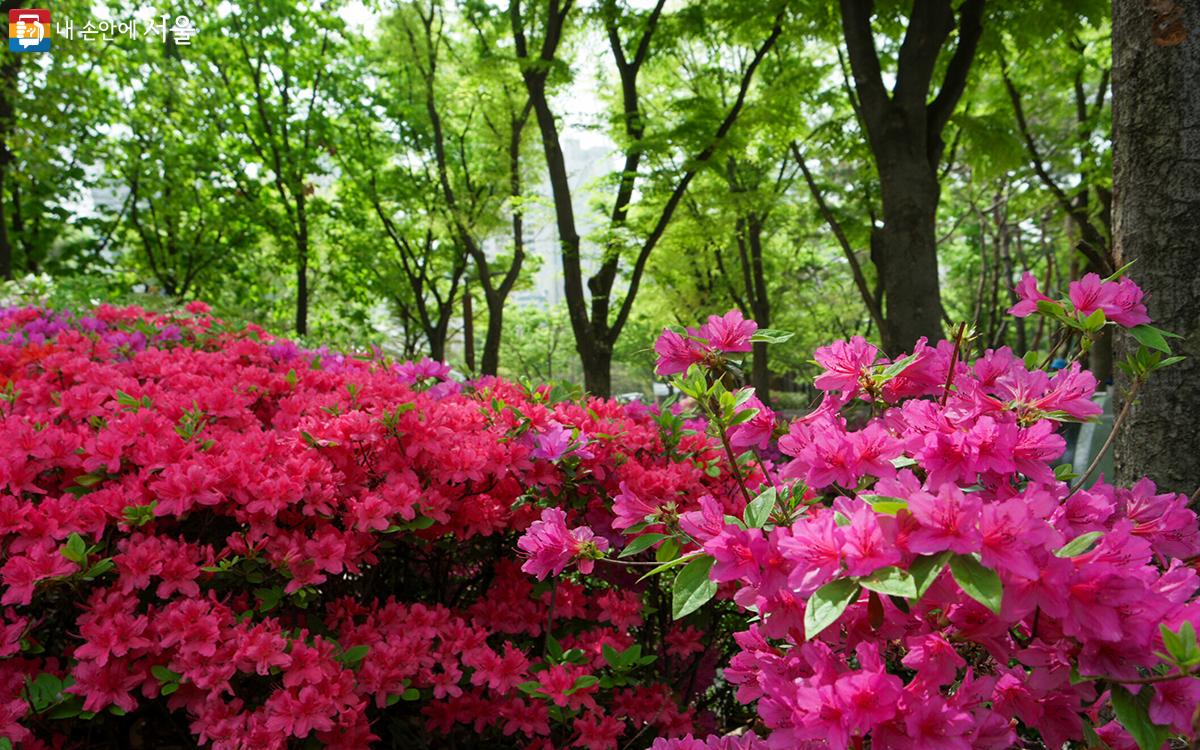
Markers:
point(210, 536)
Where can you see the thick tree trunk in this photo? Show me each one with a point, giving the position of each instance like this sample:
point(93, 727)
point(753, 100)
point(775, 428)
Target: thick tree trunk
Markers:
point(904, 250)
point(1156, 178)
point(597, 368)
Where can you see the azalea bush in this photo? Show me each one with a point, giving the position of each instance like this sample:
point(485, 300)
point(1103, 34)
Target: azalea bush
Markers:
point(209, 536)
point(915, 572)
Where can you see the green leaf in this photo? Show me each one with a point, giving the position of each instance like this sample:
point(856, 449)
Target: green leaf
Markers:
point(582, 682)
point(611, 656)
point(980, 583)
point(1079, 544)
point(268, 598)
point(667, 551)
point(760, 508)
point(771, 336)
point(88, 480)
point(354, 655)
point(883, 504)
point(1116, 276)
point(1132, 713)
point(892, 581)
point(1095, 321)
point(1167, 363)
point(164, 675)
point(743, 416)
point(1148, 335)
point(692, 587)
point(411, 694)
point(926, 569)
point(827, 604)
point(75, 549)
point(840, 518)
point(1055, 310)
point(670, 564)
point(640, 544)
point(899, 366)
point(554, 649)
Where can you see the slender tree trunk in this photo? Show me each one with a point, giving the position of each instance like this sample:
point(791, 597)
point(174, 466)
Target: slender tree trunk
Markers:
point(468, 331)
point(760, 301)
point(8, 92)
point(302, 269)
point(1156, 220)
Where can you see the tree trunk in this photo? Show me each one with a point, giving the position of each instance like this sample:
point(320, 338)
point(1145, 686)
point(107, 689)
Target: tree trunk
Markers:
point(1156, 179)
point(491, 339)
point(904, 250)
point(301, 269)
point(468, 331)
point(597, 368)
point(8, 91)
point(760, 302)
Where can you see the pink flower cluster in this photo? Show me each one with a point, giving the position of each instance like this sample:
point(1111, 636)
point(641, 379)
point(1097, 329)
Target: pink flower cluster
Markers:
point(728, 333)
point(271, 545)
point(1120, 300)
point(927, 581)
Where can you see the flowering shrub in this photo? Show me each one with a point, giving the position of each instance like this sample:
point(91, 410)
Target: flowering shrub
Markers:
point(925, 578)
point(210, 536)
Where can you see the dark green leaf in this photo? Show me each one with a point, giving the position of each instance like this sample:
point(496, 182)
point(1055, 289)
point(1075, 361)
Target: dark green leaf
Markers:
point(980, 583)
point(692, 587)
point(760, 508)
point(1148, 335)
point(925, 570)
point(1132, 713)
point(641, 543)
point(354, 655)
point(827, 604)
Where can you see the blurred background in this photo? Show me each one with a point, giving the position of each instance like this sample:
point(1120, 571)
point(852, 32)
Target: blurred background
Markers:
point(536, 188)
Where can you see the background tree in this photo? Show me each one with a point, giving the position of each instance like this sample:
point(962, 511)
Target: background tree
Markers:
point(904, 127)
point(186, 217)
point(634, 38)
point(474, 108)
point(277, 62)
point(52, 112)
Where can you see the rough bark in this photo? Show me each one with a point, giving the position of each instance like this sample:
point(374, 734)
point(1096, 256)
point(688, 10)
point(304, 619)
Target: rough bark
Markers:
point(1156, 178)
point(904, 130)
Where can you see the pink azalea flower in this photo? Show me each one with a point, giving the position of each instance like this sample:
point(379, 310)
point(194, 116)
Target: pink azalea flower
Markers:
point(729, 332)
point(844, 363)
point(550, 546)
point(676, 353)
point(1027, 290)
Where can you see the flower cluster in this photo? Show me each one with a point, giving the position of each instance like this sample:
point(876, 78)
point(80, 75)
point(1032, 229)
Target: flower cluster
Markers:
point(926, 577)
point(213, 536)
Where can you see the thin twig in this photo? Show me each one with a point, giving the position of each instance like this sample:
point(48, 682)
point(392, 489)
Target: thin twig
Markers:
point(1137, 384)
